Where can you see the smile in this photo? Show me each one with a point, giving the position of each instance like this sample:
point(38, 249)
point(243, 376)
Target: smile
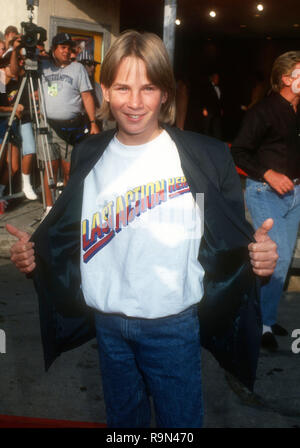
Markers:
point(134, 117)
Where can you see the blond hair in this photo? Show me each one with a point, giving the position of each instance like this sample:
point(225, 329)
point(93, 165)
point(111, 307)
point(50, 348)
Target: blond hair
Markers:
point(149, 48)
point(283, 65)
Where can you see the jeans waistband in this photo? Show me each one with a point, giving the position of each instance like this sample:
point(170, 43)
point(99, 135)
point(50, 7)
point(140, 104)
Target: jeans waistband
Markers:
point(295, 181)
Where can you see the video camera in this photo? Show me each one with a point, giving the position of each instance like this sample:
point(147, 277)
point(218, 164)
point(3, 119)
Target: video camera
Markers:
point(32, 35)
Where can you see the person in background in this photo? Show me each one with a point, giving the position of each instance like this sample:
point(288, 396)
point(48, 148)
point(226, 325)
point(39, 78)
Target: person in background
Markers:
point(74, 52)
point(27, 136)
point(9, 163)
point(89, 63)
point(24, 129)
point(2, 48)
point(10, 33)
point(267, 148)
point(212, 110)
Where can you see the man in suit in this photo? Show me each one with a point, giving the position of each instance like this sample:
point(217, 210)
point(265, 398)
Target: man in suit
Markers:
point(212, 107)
point(267, 149)
point(127, 255)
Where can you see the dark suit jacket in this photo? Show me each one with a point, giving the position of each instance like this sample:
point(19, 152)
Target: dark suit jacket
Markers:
point(211, 100)
point(229, 312)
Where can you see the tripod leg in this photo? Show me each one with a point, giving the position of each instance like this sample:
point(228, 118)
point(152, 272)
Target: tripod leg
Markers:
point(42, 185)
point(9, 154)
point(49, 192)
point(44, 139)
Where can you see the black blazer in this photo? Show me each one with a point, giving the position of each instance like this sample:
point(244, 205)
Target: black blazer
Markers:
point(211, 100)
point(229, 311)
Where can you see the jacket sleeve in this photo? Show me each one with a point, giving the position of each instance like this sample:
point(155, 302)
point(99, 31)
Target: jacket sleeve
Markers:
point(75, 156)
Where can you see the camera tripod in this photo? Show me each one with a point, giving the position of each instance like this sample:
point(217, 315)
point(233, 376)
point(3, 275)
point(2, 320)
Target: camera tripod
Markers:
point(41, 127)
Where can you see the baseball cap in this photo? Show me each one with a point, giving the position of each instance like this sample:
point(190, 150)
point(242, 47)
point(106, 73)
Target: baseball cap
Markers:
point(62, 38)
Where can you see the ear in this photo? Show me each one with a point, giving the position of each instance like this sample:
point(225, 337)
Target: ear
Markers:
point(164, 97)
point(287, 80)
point(105, 91)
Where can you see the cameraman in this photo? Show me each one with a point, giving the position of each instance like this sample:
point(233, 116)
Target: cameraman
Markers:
point(67, 94)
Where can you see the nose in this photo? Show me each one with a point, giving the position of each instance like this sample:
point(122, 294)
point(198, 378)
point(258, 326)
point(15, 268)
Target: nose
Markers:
point(135, 99)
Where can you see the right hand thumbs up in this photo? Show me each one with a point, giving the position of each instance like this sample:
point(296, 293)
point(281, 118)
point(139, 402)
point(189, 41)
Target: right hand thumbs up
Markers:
point(22, 251)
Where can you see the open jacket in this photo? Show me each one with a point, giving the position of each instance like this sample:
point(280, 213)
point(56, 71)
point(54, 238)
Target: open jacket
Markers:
point(229, 311)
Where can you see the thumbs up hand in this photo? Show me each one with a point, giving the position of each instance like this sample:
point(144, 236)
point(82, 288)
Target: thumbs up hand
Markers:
point(263, 253)
point(22, 252)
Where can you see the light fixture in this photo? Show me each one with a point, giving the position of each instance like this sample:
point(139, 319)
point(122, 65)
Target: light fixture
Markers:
point(296, 25)
point(177, 21)
point(260, 7)
point(212, 13)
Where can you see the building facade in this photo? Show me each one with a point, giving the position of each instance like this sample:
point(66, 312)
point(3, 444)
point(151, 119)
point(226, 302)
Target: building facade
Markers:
point(93, 23)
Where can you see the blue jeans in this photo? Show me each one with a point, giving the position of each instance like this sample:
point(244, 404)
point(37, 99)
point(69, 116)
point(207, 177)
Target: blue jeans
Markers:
point(263, 202)
point(157, 357)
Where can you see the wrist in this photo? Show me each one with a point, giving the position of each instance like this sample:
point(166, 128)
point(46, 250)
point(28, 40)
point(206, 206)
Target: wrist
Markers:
point(266, 174)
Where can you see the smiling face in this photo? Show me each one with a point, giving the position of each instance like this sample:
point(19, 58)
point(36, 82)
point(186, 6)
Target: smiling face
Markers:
point(62, 54)
point(134, 102)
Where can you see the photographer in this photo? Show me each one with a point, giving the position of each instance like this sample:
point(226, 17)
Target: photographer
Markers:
point(10, 34)
point(7, 99)
point(67, 94)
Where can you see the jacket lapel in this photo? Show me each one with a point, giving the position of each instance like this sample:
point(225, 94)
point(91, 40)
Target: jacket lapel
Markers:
point(199, 182)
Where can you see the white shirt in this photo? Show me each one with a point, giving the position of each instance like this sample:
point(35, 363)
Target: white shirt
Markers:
point(141, 231)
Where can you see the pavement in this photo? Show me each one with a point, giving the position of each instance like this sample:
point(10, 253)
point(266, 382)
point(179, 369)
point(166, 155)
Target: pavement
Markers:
point(72, 389)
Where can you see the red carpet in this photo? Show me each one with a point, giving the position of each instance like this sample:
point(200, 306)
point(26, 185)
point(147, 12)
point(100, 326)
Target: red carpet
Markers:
point(11, 421)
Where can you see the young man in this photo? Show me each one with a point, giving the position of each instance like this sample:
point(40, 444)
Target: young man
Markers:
point(267, 148)
point(119, 254)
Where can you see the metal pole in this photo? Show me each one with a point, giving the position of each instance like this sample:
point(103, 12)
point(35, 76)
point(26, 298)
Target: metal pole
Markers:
point(169, 27)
